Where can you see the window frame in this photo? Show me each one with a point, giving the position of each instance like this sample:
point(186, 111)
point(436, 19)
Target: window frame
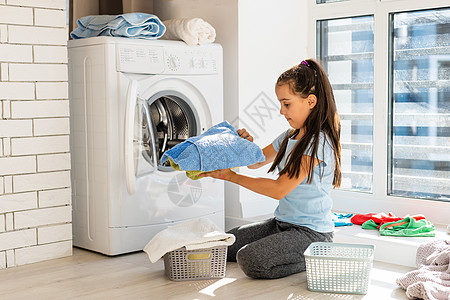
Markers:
point(437, 212)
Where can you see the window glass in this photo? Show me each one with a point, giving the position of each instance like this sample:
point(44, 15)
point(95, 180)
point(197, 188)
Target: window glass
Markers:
point(420, 108)
point(345, 48)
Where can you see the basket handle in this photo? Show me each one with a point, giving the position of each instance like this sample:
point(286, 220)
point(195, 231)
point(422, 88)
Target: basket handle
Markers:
point(195, 256)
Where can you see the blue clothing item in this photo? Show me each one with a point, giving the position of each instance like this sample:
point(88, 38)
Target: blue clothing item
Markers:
point(135, 25)
point(342, 219)
point(309, 205)
point(220, 147)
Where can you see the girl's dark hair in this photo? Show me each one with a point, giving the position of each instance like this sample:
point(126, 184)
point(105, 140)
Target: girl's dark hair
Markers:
point(305, 79)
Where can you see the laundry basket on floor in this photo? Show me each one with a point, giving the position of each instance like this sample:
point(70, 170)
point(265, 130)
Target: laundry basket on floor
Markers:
point(182, 264)
point(339, 268)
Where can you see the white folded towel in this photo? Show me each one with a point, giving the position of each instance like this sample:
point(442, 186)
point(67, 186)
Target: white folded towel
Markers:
point(194, 31)
point(195, 234)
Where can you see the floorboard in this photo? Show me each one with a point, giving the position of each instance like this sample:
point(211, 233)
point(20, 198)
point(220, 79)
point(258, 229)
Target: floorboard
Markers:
point(89, 275)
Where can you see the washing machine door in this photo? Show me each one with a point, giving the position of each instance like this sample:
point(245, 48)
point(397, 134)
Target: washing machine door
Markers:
point(140, 155)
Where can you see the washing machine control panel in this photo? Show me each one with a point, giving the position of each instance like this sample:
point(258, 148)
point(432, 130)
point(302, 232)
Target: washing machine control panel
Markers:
point(181, 60)
point(140, 59)
point(191, 60)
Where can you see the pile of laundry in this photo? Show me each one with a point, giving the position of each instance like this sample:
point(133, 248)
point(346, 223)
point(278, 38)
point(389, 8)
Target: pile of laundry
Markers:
point(431, 280)
point(391, 225)
point(193, 31)
point(195, 234)
point(387, 224)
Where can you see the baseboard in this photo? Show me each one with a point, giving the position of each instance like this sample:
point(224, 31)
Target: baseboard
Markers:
point(232, 222)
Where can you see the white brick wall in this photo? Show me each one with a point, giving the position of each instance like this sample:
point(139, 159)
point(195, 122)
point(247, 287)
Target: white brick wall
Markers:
point(53, 162)
point(42, 217)
point(14, 53)
point(16, 239)
point(40, 145)
point(16, 128)
point(34, 254)
point(39, 109)
point(51, 126)
point(16, 15)
point(44, 181)
point(37, 72)
point(50, 54)
point(55, 197)
point(57, 4)
point(54, 233)
point(17, 90)
point(49, 17)
point(17, 165)
point(35, 193)
point(37, 35)
point(18, 202)
point(2, 223)
point(52, 90)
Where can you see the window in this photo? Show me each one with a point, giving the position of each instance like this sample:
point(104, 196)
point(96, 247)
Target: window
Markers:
point(346, 52)
point(420, 108)
point(389, 64)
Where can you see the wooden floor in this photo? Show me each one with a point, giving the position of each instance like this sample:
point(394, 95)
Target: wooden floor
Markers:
point(88, 275)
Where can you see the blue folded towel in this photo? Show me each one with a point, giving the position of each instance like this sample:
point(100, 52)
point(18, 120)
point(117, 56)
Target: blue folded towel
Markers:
point(135, 25)
point(220, 147)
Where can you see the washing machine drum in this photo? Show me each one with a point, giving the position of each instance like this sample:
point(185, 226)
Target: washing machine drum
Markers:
point(173, 122)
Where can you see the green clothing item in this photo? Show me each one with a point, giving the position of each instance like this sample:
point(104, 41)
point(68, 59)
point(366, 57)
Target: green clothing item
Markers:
point(370, 225)
point(190, 174)
point(408, 227)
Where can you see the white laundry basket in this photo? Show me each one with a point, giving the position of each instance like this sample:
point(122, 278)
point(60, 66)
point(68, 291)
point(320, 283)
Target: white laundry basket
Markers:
point(182, 264)
point(339, 268)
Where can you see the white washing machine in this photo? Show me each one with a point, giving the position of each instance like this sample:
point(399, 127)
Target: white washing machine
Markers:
point(130, 101)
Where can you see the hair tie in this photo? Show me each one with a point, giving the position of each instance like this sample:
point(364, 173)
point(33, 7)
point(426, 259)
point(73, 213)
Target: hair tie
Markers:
point(305, 63)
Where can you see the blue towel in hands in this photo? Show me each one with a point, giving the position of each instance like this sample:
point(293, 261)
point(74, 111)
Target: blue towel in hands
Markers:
point(134, 25)
point(220, 147)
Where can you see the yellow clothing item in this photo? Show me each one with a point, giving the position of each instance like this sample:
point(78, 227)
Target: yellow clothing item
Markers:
point(190, 174)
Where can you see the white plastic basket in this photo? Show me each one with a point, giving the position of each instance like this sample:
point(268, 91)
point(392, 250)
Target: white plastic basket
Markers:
point(182, 264)
point(339, 268)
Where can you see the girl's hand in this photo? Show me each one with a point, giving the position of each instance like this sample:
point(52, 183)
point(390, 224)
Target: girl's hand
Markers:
point(244, 134)
point(224, 174)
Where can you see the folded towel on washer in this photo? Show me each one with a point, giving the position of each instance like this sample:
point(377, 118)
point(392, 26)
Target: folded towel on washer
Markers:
point(133, 25)
point(199, 233)
point(220, 147)
point(193, 31)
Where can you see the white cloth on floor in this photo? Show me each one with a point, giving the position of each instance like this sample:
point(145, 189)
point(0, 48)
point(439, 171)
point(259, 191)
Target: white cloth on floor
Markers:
point(431, 281)
point(199, 233)
point(194, 31)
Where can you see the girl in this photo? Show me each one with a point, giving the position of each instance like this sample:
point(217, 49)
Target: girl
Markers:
point(308, 158)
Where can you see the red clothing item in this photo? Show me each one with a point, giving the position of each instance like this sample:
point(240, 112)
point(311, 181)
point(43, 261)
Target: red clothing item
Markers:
point(381, 218)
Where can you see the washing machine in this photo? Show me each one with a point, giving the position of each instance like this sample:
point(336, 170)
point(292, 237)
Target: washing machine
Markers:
point(131, 100)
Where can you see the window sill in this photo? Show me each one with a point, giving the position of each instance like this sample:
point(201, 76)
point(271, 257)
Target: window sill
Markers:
point(394, 250)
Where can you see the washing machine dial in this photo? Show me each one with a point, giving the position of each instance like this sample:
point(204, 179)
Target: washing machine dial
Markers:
point(173, 62)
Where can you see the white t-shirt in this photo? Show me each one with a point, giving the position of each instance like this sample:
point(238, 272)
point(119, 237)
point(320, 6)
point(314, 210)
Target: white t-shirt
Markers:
point(309, 205)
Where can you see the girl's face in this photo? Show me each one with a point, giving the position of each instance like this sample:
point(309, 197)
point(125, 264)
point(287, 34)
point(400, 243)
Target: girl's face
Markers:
point(294, 107)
